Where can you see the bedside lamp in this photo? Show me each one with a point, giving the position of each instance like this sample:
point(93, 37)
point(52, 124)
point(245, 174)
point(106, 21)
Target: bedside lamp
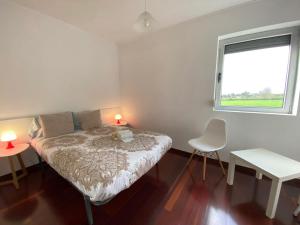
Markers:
point(8, 137)
point(118, 117)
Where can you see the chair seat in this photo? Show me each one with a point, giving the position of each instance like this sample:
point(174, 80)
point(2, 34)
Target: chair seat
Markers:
point(204, 145)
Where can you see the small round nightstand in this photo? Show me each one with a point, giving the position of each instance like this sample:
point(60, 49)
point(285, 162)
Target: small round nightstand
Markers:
point(16, 151)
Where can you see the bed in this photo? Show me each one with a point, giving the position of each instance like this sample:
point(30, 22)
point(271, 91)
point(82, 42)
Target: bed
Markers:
point(101, 166)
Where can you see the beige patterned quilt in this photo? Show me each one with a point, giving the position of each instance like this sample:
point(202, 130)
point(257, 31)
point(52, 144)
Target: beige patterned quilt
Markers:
point(97, 164)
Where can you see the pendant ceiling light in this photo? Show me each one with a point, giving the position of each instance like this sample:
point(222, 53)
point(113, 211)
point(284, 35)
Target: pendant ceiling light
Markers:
point(145, 21)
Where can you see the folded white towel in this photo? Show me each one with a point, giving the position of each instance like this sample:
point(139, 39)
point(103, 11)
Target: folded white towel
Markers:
point(126, 140)
point(125, 135)
point(125, 132)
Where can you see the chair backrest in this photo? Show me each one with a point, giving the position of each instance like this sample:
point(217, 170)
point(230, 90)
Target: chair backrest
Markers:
point(215, 132)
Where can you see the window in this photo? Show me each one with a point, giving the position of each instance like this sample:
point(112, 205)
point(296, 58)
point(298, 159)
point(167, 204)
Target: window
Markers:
point(258, 72)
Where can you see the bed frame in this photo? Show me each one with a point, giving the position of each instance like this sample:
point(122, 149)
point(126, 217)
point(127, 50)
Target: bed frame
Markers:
point(87, 202)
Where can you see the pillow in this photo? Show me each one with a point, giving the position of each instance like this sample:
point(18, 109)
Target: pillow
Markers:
point(34, 128)
point(56, 124)
point(76, 121)
point(89, 119)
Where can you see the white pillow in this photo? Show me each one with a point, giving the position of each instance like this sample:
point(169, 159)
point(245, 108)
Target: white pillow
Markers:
point(34, 128)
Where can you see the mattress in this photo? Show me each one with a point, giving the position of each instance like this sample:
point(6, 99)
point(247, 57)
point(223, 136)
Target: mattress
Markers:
point(99, 165)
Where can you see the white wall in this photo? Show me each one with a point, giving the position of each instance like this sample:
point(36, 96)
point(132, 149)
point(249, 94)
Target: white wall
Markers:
point(49, 66)
point(167, 80)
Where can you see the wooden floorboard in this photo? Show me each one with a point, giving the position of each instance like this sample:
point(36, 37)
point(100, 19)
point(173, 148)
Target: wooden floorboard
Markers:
point(179, 197)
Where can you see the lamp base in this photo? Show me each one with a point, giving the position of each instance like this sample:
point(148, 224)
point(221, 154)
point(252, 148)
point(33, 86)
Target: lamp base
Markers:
point(9, 145)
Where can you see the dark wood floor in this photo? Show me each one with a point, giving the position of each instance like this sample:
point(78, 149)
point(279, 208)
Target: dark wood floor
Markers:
point(47, 199)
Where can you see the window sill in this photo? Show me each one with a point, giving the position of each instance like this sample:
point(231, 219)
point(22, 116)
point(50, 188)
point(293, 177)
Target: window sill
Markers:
point(254, 112)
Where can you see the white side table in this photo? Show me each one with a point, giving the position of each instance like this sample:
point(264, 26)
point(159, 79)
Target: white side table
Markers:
point(10, 153)
point(277, 167)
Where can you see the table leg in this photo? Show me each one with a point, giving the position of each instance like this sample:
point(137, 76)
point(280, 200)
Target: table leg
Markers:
point(273, 198)
point(22, 164)
point(297, 210)
point(231, 169)
point(13, 172)
point(258, 175)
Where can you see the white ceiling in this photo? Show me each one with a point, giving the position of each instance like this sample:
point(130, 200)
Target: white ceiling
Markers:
point(114, 19)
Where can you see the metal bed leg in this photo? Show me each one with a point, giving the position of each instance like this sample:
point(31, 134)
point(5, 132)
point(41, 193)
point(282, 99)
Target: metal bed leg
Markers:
point(157, 172)
point(88, 209)
point(39, 158)
point(40, 161)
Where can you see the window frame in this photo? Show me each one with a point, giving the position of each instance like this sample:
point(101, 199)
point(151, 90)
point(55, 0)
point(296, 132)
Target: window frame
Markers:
point(291, 94)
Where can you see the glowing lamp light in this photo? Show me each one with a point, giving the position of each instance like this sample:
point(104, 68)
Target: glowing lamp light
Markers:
point(118, 117)
point(8, 137)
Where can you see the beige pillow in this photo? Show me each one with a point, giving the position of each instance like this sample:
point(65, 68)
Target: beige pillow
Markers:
point(89, 119)
point(57, 124)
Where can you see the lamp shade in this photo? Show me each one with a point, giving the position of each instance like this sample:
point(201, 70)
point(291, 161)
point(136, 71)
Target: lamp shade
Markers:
point(8, 136)
point(118, 116)
point(145, 22)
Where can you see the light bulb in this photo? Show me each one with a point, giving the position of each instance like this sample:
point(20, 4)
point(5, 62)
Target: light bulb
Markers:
point(145, 22)
point(118, 117)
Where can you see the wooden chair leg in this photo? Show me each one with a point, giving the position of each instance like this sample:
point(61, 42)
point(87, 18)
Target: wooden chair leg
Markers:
point(191, 157)
point(204, 167)
point(220, 162)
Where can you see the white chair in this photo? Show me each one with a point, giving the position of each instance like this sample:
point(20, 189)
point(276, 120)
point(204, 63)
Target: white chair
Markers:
point(213, 139)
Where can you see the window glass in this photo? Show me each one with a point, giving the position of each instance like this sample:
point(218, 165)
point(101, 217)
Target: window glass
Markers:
point(255, 78)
